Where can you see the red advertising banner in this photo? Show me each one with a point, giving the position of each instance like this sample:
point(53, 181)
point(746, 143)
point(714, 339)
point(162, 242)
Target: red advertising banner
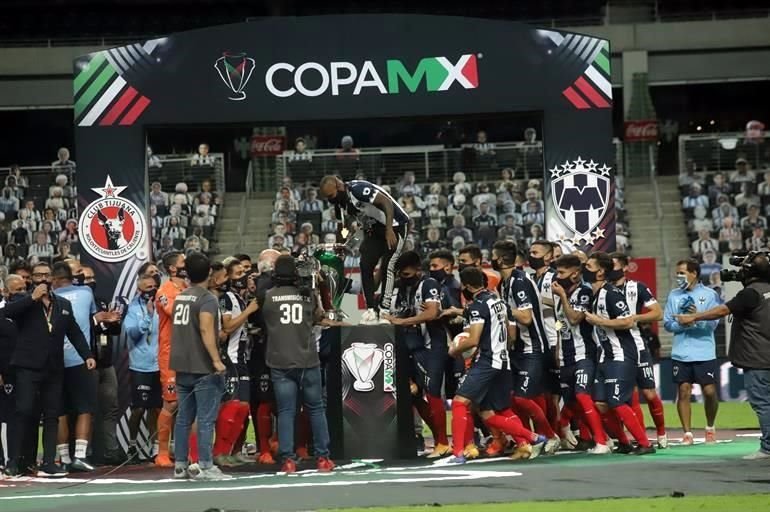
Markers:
point(638, 131)
point(267, 145)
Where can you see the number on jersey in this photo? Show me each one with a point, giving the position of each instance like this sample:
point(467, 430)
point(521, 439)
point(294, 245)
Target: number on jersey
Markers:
point(291, 314)
point(182, 314)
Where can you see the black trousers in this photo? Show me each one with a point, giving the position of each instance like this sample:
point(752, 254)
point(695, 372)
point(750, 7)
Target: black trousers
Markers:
point(374, 249)
point(38, 391)
point(7, 417)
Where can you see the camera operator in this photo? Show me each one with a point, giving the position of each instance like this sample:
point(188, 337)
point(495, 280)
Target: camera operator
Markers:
point(749, 341)
point(289, 312)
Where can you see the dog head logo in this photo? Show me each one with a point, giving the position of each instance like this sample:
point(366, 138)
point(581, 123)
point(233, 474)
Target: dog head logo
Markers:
point(112, 228)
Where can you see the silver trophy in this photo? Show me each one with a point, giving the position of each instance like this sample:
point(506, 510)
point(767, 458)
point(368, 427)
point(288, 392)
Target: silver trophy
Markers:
point(364, 361)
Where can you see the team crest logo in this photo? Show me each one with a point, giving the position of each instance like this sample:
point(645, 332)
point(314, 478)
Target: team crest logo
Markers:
point(112, 228)
point(8, 388)
point(581, 194)
point(235, 70)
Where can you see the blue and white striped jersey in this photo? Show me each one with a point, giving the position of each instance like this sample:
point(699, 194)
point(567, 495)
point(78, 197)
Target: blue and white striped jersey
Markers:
point(520, 292)
point(577, 341)
point(617, 344)
point(362, 193)
point(486, 308)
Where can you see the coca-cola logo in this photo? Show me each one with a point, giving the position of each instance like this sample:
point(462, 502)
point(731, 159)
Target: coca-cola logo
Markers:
point(641, 131)
point(263, 145)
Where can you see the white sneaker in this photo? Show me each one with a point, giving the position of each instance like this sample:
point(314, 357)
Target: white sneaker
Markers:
point(212, 474)
point(663, 442)
point(600, 449)
point(552, 445)
point(180, 473)
point(610, 443)
point(568, 439)
point(758, 455)
point(688, 439)
point(370, 317)
point(193, 471)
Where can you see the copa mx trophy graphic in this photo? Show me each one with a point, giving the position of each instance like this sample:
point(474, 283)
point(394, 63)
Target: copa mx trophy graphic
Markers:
point(363, 360)
point(235, 70)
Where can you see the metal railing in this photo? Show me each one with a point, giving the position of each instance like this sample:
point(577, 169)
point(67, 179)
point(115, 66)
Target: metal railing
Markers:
point(659, 215)
point(719, 151)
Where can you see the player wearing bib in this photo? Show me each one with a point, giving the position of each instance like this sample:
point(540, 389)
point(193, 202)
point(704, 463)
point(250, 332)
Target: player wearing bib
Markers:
point(384, 236)
point(487, 384)
point(613, 323)
point(576, 349)
point(225, 283)
point(174, 265)
point(523, 305)
point(416, 316)
point(540, 259)
point(639, 297)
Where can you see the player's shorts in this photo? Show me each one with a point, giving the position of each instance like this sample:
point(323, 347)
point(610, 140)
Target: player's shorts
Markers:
point(261, 382)
point(697, 372)
point(486, 387)
point(428, 370)
point(237, 383)
point(79, 387)
point(528, 375)
point(168, 384)
point(8, 398)
point(145, 390)
point(645, 375)
point(552, 381)
point(577, 379)
point(597, 393)
point(619, 382)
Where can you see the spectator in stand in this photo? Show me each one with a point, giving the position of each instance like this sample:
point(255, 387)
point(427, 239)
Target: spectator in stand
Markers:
point(63, 163)
point(535, 233)
point(20, 236)
point(300, 245)
point(279, 243)
point(757, 241)
point(32, 211)
point(725, 209)
point(10, 183)
point(279, 231)
point(704, 243)
point(484, 152)
point(302, 158)
point(534, 214)
point(202, 158)
point(51, 237)
point(166, 247)
point(63, 252)
point(764, 187)
point(21, 181)
point(9, 203)
point(311, 203)
point(191, 245)
point(61, 181)
point(533, 198)
point(715, 283)
point(459, 230)
point(719, 187)
point(742, 174)
point(435, 217)
point(205, 245)
point(458, 206)
point(42, 248)
point(510, 230)
point(461, 186)
point(709, 265)
point(483, 195)
point(330, 238)
point(307, 229)
point(329, 221)
point(288, 220)
point(202, 218)
point(295, 191)
point(747, 196)
point(408, 180)
point(485, 219)
point(174, 231)
point(11, 256)
point(695, 198)
point(153, 162)
point(506, 180)
point(433, 241)
point(347, 157)
point(412, 204)
point(753, 220)
point(207, 187)
point(690, 177)
point(158, 198)
point(436, 197)
point(731, 234)
point(700, 221)
point(286, 200)
point(156, 222)
point(56, 201)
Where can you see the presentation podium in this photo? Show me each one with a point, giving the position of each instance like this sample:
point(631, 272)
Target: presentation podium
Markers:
point(368, 407)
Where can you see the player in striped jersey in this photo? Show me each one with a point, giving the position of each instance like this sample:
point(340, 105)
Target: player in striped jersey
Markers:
point(613, 322)
point(576, 349)
point(487, 384)
point(639, 297)
point(385, 234)
point(523, 305)
point(416, 313)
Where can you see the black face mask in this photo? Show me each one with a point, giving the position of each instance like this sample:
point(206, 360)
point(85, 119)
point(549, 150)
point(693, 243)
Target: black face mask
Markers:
point(536, 263)
point(588, 276)
point(224, 287)
point(149, 294)
point(181, 273)
point(438, 275)
point(240, 283)
point(30, 286)
point(340, 199)
point(463, 266)
point(615, 275)
point(17, 296)
point(92, 285)
point(156, 278)
point(409, 281)
point(79, 279)
point(496, 265)
point(565, 283)
point(468, 295)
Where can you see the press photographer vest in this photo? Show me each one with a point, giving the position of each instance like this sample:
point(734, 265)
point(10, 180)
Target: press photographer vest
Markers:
point(750, 335)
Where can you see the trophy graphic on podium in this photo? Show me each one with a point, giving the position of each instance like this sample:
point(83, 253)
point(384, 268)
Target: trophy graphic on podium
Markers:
point(363, 360)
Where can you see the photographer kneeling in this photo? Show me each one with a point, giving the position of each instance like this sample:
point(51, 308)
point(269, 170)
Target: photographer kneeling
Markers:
point(289, 312)
point(750, 337)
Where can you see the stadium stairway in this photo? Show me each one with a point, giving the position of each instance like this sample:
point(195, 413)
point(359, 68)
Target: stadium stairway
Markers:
point(259, 210)
point(648, 232)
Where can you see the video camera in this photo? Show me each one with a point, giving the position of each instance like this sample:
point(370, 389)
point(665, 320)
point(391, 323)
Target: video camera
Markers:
point(748, 270)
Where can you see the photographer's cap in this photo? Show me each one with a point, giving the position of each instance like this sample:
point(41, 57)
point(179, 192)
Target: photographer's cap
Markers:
point(285, 266)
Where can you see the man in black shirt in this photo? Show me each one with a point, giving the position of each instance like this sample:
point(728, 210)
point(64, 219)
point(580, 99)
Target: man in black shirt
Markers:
point(8, 334)
point(43, 320)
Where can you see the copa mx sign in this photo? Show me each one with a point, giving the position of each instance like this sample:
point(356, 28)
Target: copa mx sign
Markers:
point(434, 74)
